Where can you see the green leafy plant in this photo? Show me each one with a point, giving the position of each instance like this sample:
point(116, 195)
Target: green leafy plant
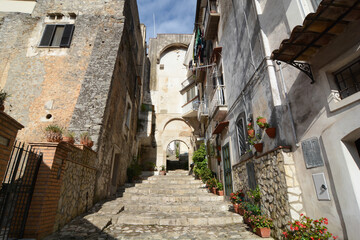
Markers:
point(133, 171)
point(254, 140)
point(162, 167)
point(212, 182)
point(260, 222)
point(254, 195)
point(3, 96)
point(53, 133)
point(261, 122)
point(307, 228)
point(252, 209)
point(200, 154)
point(250, 126)
point(220, 186)
point(237, 197)
point(69, 134)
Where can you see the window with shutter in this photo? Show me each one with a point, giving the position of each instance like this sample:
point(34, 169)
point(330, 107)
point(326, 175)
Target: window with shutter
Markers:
point(240, 128)
point(57, 35)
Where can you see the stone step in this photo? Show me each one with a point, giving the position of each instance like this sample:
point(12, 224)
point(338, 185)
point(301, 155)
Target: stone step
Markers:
point(178, 219)
point(178, 173)
point(176, 207)
point(172, 177)
point(164, 185)
point(163, 198)
point(172, 182)
point(167, 191)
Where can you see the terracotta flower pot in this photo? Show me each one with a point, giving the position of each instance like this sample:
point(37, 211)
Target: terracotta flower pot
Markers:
point(87, 143)
point(258, 147)
point(53, 137)
point(271, 132)
point(219, 148)
point(241, 211)
point(68, 140)
point(162, 172)
point(219, 159)
point(261, 120)
point(236, 207)
point(220, 192)
point(251, 132)
point(263, 232)
point(246, 220)
point(213, 190)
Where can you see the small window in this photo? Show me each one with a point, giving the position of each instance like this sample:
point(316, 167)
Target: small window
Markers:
point(240, 128)
point(57, 35)
point(348, 79)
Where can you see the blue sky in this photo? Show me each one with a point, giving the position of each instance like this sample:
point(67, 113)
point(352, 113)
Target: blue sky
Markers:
point(171, 16)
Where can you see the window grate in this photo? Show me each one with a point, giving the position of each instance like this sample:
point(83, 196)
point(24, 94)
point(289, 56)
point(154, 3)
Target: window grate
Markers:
point(348, 79)
point(241, 136)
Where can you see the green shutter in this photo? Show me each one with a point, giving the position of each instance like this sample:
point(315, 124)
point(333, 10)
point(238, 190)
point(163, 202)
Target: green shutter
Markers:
point(67, 36)
point(47, 35)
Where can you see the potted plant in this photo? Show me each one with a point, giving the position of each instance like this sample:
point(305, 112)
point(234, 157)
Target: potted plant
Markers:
point(220, 189)
point(69, 137)
point(261, 225)
point(3, 96)
point(270, 131)
point(218, 158)
point(254, 195)
point(86, 140)
point(53, 133)
point(307, 228)
point(255, 141)
point(261, 122)
point(162, 171)
point(236, 199)
point(250, 131)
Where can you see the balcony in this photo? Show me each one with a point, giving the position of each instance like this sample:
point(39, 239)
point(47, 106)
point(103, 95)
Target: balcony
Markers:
point(211, 20)
point(185, 85)
point(203, 112)
point(218, 107)
point(191, 108)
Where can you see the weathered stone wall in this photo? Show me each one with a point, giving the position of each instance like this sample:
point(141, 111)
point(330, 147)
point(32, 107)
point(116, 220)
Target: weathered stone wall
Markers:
point(77, 189)
point(281, 197)
point(85, 87)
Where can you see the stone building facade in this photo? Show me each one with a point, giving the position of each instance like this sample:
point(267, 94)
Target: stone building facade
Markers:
point(85, 75)
point(235, 42)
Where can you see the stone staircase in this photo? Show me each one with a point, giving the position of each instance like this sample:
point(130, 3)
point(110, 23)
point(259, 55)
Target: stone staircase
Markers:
point(174, 200)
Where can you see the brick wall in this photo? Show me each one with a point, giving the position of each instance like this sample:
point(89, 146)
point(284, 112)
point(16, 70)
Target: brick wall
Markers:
point(8, 131)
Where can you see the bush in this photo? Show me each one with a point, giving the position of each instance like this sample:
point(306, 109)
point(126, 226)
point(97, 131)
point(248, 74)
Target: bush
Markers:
point(133, 171)
point(307, 228)
point(200, 154)
point(261, 222)
point(252, 209)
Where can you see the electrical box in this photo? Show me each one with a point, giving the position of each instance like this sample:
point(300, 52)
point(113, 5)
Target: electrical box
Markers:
point(321, 188)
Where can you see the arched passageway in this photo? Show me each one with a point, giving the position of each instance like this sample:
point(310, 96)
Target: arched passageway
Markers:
point(177, 155)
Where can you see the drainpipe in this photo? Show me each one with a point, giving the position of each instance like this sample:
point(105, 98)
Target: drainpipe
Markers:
point(288, 103)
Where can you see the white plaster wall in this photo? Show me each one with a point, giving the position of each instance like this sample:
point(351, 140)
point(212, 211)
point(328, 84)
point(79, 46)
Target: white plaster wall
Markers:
point(17, 6)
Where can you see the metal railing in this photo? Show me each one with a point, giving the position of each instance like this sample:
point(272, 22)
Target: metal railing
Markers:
point(210, 8)
point(217, 98)
point(191, 106)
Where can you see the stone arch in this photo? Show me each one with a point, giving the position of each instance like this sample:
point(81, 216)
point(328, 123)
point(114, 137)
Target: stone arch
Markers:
point(169, 46)
point(177, 119)
point(186, 141)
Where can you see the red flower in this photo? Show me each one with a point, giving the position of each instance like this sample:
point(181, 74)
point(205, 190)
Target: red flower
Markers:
point(312, 238)
point(335, 237)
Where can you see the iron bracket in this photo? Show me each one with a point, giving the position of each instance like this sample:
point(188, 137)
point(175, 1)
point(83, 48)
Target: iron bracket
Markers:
point(302, 66)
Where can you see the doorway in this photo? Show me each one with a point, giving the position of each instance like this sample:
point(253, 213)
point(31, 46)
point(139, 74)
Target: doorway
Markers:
point(177, 156)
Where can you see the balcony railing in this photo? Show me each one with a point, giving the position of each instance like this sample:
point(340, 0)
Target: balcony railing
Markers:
point(203, 110)
point(217, 99)
point(211, 20)
point(190, 109)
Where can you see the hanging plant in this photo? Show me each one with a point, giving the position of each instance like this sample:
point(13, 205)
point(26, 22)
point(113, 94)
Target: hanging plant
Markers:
point(250, 131)
point(271, 132)
point(261, 122)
